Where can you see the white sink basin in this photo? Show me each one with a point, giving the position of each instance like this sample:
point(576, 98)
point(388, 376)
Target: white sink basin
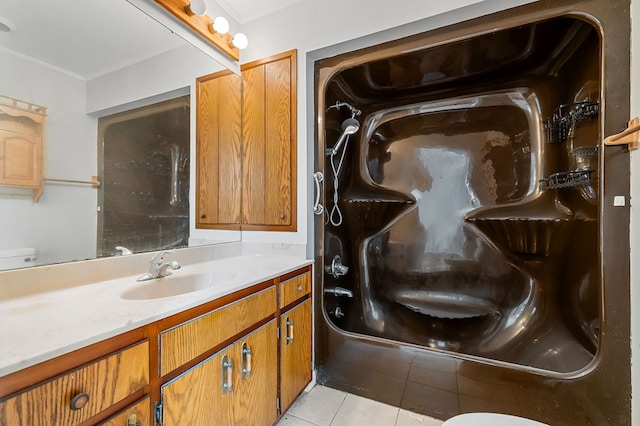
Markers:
point(175, 285)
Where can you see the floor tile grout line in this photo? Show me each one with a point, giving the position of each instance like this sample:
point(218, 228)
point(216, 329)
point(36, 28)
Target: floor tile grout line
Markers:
point(344, 398)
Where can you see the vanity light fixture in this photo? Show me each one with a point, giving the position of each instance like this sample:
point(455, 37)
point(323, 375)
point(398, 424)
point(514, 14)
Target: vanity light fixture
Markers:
point(196, 7)
point(240, 41)
point(215, 31)
point(221, 25)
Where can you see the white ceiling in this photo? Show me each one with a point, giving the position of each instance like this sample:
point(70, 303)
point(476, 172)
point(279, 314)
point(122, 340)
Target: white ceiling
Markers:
point(88, 38)
point(248, 10)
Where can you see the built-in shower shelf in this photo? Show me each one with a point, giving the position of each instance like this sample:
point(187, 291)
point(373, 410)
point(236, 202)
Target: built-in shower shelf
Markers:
point(531, 236)
point(374, 214)
point(571, 179)
point(364, 200)
point(558, 126)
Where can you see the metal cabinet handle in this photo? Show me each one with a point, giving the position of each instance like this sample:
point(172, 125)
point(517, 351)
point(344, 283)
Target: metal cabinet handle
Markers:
point(318, 208)
point(299, 288)
point(289, 337)
point(227, 375)
point(246, 360)
point(132, 420)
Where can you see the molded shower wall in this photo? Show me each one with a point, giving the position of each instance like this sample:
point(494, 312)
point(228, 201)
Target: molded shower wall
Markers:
point(614, 404)
point(329, 28)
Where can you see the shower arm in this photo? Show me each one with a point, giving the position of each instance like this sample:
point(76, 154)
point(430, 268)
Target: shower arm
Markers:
point(355, 112)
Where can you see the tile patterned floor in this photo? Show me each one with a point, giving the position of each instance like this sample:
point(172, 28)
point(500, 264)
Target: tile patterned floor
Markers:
point(323, 406)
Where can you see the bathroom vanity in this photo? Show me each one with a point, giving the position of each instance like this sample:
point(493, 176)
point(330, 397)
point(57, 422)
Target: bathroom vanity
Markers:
point(235, 352)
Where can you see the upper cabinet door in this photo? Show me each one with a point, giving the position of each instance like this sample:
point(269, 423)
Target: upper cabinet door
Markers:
point(269, 143)
point(218, 145)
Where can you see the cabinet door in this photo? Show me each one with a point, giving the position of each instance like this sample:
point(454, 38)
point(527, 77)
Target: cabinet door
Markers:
point(20, 159)
point(218, 159)
point(269, 143)
point(295, 352)
point(257, 378)
point(217, 391)
point(198, 397)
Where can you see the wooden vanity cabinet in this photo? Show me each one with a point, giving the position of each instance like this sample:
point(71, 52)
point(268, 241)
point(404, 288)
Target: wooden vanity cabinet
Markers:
point(296, 338)
point(269, 143)
point(239, 360)
point(236, 386)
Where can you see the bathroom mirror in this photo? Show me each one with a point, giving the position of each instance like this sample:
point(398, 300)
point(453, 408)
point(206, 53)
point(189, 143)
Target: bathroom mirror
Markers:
point(85, 61)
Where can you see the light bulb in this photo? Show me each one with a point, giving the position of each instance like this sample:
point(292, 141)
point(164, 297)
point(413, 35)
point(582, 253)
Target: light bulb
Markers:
point(240, 41)
point(198, 7)
point(221, 25)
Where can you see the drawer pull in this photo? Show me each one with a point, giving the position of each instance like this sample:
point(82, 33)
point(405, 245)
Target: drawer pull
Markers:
point(79, 401)
point(299, 288)
point(132, 420)
point(246, 360)
point(227, 375)
point(289, 323)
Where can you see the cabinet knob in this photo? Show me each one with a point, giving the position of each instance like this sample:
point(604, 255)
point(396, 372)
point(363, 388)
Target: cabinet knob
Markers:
point(282, 216)
point(203, 216)
point(299, 288)
point(79, 401)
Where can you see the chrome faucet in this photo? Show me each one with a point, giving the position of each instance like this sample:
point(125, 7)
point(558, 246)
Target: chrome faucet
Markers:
point(158, 268)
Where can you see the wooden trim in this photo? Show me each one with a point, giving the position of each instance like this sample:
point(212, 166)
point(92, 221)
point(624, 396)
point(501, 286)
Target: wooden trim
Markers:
point(289, 53)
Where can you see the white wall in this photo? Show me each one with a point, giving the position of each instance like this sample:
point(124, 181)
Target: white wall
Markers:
point(320, 29)
point(635, 218)
point(64, 220)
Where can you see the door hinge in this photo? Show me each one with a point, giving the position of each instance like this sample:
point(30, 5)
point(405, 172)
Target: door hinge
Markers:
point(278, 404)
point(158, 412)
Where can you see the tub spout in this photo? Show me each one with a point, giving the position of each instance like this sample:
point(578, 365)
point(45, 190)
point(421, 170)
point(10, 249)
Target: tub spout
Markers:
point(339, 291)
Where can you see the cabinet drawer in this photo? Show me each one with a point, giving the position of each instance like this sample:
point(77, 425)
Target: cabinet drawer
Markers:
point(293, 289)
point(104, 382)
point(186, 341)
point(139, 412)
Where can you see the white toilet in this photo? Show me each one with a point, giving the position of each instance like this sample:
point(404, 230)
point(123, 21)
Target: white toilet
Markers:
point(490, 419)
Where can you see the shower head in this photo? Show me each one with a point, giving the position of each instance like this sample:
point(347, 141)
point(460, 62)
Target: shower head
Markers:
point(349, 127)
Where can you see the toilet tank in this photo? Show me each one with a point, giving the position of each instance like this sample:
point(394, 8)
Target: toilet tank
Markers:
point(17, 258)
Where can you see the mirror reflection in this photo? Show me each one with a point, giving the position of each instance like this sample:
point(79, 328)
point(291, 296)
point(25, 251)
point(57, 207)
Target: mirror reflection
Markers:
point(119, 98)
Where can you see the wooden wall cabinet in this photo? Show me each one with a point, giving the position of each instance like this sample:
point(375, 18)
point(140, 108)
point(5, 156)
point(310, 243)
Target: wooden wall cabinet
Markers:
point(269, 126)
point(240, 359)
point(218, 151)
point(246, 147)
point(21, 145)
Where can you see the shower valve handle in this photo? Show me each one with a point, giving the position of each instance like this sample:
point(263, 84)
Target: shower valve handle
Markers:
point(318, 208)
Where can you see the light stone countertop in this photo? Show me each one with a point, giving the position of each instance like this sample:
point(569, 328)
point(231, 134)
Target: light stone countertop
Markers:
point(42, 326)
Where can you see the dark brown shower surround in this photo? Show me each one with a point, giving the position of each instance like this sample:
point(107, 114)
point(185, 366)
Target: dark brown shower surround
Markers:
point(488, 267)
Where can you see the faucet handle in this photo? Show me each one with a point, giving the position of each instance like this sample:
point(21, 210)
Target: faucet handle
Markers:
point(157, 258)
